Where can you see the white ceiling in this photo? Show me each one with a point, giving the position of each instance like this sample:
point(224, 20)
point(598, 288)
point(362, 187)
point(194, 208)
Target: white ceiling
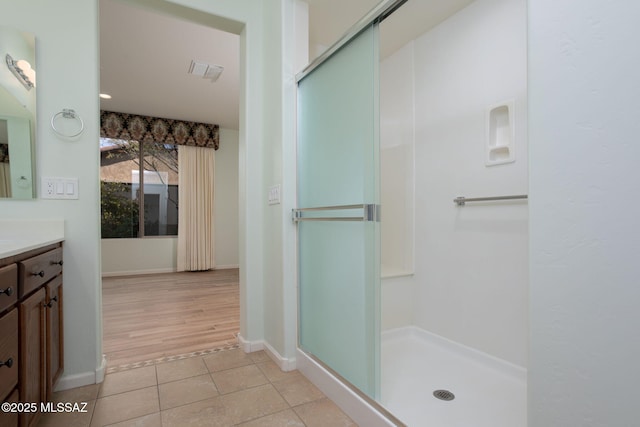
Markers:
point(330, 19)
point(414, 18)
point(144, 59)
point(145, 54)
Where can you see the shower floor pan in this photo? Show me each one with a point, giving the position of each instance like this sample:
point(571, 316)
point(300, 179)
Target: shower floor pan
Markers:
point(415, 363)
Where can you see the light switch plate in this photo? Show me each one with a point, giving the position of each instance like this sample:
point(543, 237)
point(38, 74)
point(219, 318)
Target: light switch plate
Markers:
point(59, 188)
point(274, 195)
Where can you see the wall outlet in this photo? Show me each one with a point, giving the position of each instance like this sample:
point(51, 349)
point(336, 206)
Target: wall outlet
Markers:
point(48, 188)
point(59, 188)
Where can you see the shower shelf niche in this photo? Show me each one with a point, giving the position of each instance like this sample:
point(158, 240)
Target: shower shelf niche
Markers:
point(500, 134)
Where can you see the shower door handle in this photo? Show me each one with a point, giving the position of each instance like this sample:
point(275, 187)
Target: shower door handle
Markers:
point(370, 212)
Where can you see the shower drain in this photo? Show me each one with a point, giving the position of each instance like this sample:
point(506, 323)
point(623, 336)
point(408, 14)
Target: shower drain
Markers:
point(444, 395)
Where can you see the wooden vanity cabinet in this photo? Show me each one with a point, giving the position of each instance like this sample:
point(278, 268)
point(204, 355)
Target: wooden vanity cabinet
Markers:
point(8, 286)
point(34, 319)
point(9, 352)
point(9, 342)
point(32, 348)
point(55, 339)
point(10, 419)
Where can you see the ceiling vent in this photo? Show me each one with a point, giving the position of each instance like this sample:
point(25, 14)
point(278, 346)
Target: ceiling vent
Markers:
point(206, 71)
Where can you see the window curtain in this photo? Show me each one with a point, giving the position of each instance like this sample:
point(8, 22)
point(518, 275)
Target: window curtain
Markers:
point(5, 179)
point(196, 249)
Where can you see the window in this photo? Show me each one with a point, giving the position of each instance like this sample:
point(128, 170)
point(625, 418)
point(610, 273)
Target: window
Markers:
point(139, 188)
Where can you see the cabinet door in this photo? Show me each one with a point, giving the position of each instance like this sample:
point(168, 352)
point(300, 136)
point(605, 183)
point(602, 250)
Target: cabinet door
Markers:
point(10, 419)
point(55, 342)
point(9, 363)
point(32, 345)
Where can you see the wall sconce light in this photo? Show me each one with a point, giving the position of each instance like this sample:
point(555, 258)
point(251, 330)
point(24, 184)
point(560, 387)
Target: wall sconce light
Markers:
point(23, 72)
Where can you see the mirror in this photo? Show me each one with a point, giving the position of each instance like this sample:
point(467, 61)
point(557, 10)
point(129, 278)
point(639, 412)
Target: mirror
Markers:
point(17, 113)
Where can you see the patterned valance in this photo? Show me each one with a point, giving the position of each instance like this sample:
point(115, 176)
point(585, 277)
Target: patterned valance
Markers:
point(154, 129)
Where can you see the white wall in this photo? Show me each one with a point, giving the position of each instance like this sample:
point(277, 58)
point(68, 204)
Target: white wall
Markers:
point(397, 155)
point(584, 106)
point(158, 254)
point(67, 77)
point(397, 182)
point(122, 257)
point(272, 170)
point(226, 200)
point(471, 274)
point(396, 302)
point(289, 35)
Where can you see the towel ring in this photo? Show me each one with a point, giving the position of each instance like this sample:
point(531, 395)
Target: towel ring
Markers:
point(67, 113)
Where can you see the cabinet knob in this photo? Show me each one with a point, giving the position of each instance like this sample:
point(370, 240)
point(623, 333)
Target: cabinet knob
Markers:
point(40, 273)
point(57, 262)
point(8, 363)
point(7, 291)
point(51, 301)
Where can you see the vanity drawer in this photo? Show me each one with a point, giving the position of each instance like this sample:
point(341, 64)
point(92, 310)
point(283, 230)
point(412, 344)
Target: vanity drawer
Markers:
point(8, 286)
point(8, 352)
point(36, 271)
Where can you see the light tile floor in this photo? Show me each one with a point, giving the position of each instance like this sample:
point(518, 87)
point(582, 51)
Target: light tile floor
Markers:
point(227, 388)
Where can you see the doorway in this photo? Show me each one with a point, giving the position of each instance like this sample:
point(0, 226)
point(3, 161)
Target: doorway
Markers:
point(144, 70)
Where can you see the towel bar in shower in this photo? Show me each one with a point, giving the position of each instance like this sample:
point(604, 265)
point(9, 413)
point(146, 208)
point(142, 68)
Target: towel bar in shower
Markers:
point(461, 200)
point(370, 212)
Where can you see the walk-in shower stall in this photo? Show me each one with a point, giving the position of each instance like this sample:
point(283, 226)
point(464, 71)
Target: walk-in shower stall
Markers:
point(412, 212)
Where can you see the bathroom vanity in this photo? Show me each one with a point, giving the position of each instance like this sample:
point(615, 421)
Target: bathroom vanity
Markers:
point(31, 326)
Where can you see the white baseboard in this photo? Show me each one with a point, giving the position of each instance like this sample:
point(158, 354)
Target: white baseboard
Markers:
point(285, 364)
point(137, 272)
point(102, 370)
point(226, 267)
point(85, 378)
point(250, 346)
point(351, 403)
point(158, 271)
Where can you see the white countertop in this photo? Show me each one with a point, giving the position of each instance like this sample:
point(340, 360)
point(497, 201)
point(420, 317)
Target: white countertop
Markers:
point(17, 236)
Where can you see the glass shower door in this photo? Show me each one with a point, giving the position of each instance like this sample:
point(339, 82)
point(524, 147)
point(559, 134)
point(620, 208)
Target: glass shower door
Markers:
point(338, 199)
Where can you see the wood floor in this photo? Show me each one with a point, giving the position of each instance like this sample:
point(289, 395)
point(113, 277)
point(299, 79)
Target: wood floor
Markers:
point(158, 315)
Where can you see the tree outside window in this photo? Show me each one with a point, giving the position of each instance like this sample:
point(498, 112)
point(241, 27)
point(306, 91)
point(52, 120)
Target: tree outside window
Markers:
point(139, 189)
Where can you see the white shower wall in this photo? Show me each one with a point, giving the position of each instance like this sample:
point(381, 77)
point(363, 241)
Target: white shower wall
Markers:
point(397, 155)
point(471, 270)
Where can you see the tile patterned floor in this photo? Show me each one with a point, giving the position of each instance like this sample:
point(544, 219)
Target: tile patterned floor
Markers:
point(225, 388)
